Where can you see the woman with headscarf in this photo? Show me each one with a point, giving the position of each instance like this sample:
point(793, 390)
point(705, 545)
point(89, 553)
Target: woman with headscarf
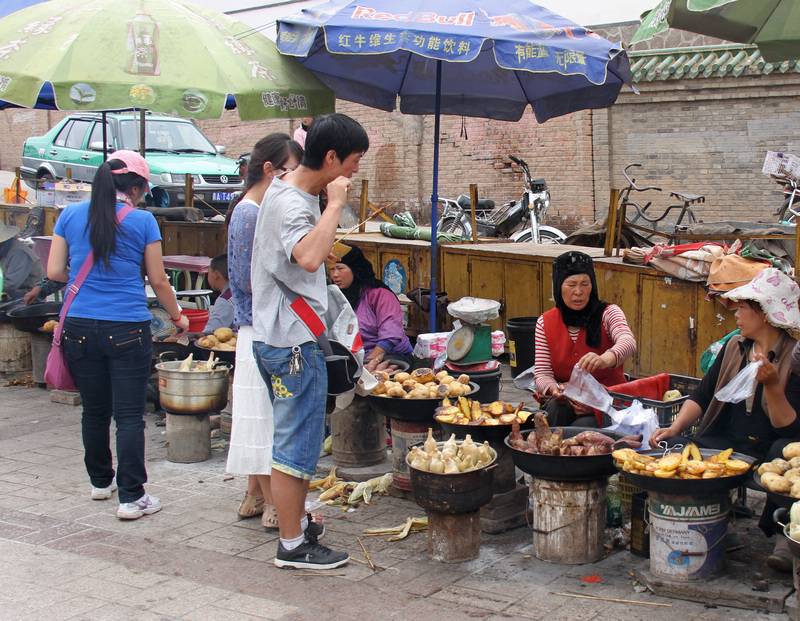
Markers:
point(581, 330)
point(380, 318)
point(764, 423)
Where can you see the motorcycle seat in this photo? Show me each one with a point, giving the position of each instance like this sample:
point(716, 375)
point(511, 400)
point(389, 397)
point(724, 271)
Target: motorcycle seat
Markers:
point(483, 204)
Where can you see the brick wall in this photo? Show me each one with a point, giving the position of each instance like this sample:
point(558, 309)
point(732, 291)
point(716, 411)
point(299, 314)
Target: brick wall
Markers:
point(705, 136)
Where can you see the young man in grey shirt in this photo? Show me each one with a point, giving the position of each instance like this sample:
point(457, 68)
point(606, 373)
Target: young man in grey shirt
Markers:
point(292, 242)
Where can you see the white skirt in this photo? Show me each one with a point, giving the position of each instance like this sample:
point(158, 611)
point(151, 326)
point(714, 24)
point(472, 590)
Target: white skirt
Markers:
point(250, 450)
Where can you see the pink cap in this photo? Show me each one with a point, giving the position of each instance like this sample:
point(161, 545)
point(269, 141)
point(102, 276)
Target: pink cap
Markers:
point(134, 163)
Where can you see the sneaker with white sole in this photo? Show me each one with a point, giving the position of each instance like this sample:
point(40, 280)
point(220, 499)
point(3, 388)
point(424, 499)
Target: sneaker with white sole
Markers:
point(103, 493)
point(146, 505)
point(309, 555)
point(314, 530)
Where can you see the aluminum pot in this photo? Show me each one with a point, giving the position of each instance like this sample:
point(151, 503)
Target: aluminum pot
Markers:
point(192, 392)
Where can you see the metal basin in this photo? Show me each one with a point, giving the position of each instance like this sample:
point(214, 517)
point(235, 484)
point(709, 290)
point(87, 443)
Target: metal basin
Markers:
point(452, 493)
point(192, 392)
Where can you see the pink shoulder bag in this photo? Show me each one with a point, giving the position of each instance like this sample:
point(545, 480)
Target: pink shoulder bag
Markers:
point(56, 371)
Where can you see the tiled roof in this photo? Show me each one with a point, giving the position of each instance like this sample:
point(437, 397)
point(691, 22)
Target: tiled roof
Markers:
point(713, 61)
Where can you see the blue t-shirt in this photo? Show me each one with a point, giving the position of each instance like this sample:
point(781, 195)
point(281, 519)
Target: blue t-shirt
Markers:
point(114, 293)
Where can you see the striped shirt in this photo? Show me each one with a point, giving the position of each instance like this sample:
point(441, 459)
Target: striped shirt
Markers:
point(615, 325)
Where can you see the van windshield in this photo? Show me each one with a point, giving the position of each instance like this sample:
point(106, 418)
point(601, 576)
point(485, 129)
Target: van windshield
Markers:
point(165, 136)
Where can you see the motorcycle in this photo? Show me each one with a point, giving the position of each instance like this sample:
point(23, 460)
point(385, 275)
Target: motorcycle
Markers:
point(519, 221)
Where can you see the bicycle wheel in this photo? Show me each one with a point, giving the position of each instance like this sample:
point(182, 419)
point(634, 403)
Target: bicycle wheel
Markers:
point(452, 225)
point(788, 213)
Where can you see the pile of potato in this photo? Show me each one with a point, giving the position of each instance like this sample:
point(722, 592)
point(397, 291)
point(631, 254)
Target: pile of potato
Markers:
point(469, 412)
point(783, 475)
point(222, 340)
point(688, 464)
point(421, 384)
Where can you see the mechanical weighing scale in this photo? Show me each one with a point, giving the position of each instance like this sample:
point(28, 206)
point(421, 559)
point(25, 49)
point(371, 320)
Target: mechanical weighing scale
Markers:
point(472, 342)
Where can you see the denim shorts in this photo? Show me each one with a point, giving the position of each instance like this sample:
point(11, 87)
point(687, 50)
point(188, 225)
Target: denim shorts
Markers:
point(298, 393)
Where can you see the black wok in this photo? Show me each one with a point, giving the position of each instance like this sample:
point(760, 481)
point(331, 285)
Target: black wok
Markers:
point(782, 500)
point(566, 467)
point(409, 410)
point(31, 318)
point(691, 486)
point(480, 433)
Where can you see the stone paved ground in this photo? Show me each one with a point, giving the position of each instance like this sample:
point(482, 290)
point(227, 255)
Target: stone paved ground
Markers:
point(66, 557)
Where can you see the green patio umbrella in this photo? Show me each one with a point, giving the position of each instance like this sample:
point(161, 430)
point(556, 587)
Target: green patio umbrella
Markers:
point(773, 25)
point(167, 56)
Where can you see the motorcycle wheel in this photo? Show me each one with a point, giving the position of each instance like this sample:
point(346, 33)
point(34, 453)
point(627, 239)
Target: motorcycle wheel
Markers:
point(452, 225)
point(546, 238)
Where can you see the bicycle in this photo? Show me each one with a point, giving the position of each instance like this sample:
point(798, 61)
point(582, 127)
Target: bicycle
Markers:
point(790, 208)
point(686, 200)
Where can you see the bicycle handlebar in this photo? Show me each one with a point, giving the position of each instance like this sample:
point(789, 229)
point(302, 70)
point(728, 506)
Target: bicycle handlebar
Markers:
point(633, 183)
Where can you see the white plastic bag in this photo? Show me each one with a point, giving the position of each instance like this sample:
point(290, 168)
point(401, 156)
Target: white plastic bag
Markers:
point(585, 389)
point(634, 420)
point(742, 386)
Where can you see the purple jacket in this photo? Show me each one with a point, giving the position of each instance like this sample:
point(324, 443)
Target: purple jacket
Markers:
point(380, 321)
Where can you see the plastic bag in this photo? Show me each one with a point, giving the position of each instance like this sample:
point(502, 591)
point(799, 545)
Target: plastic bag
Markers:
point(585, 389)
point(633, 420)
point(709, 355)
point(742, 386)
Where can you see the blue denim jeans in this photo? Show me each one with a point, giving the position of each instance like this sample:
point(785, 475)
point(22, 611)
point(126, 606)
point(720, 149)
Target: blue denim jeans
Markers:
point(298, 393)
point(110, 362)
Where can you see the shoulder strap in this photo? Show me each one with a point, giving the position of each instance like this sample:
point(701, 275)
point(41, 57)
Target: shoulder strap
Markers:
point(73, 289)
point(306, 314)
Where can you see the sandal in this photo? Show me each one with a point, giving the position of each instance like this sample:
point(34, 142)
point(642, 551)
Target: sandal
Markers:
point(269, 519)
point(251, 506)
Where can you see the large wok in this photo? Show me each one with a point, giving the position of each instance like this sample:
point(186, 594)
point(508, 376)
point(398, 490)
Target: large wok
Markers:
point(691, 486)
point(566, 467)
point(480, 433)
point(409, 410)
point(31, 318)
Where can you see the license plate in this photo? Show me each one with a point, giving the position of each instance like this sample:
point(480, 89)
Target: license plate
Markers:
point(221, 197)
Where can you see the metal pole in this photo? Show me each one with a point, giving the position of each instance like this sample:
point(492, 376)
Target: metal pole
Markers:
point(434, 195)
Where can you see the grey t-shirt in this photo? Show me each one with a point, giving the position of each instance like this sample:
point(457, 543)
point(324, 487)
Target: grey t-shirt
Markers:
point(287, 214)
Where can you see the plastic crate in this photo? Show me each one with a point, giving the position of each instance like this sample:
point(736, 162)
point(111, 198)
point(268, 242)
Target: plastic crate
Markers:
point(666, 410)
point(628, 490)
point(777, 164)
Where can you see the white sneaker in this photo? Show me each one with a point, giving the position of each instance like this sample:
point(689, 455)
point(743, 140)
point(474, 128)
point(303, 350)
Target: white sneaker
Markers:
point(134, 510)
point(103, 493)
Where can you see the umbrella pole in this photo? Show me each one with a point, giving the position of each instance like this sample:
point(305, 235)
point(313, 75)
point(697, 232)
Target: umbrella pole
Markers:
point(105, 138)
point(434, 194)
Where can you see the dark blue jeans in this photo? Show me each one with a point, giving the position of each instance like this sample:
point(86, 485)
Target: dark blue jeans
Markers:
point(110, 362)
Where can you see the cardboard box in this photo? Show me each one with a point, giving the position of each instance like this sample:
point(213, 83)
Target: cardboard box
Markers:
point(67, 193)
point(46, 195)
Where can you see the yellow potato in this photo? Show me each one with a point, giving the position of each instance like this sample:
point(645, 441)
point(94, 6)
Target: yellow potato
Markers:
point(223, 334)
point(791, 450)
point(49, 326)
point(670, 462)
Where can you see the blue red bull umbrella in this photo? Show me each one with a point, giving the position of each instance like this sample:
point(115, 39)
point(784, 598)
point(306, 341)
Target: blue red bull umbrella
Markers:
point(458, 57)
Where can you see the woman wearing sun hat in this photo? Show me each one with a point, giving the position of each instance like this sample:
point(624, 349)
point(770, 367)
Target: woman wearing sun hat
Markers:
point(767, 310)
point(20, 265)
point(767, 421)
point(106, 338)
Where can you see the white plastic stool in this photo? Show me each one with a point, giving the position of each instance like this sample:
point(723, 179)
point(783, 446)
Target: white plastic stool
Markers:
point(201, 297)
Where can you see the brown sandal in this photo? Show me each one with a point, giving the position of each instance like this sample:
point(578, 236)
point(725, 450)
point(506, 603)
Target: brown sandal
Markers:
point(269, 519)
point(251, 506)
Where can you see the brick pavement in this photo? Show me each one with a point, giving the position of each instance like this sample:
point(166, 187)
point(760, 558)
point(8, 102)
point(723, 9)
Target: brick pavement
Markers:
point(67, 557)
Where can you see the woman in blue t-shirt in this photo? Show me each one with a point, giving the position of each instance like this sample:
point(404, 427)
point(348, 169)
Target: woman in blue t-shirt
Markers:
point(107, 338)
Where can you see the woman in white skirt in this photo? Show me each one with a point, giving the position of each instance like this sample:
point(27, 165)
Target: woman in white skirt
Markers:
point(250, 449)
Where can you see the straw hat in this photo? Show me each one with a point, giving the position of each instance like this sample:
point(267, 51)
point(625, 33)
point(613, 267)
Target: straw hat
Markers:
point(731, 271)
point(7, 232)
point(776, 293)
